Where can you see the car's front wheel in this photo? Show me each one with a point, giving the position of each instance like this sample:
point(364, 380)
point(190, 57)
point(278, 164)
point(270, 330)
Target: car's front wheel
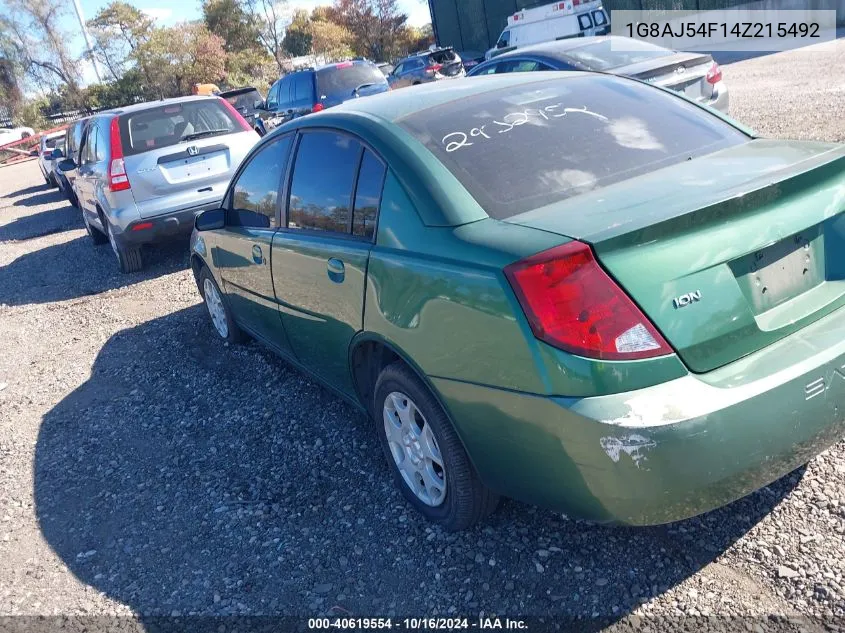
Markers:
point(129, 258)
point(221, 317)
point(428, 461)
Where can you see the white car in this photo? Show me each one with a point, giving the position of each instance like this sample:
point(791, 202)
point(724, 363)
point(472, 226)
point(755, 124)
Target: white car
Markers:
point(10, 135)
point(46, 159)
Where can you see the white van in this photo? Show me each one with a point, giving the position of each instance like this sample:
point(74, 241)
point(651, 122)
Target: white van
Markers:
point(557, 21)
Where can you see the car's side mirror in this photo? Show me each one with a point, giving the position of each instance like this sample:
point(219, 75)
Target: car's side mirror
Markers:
point(210, 220)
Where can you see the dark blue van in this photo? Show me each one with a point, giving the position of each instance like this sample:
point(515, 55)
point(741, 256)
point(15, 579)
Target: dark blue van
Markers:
point(315, 89)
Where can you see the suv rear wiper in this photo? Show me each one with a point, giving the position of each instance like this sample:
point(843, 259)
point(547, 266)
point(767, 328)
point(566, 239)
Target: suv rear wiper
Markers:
point(366, 85)
point(195, 135)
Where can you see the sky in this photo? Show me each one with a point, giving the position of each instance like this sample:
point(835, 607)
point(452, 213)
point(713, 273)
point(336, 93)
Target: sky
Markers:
point(168, 12)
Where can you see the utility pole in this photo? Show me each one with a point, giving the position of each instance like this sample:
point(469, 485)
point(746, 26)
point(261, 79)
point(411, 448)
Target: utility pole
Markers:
point(87, 37)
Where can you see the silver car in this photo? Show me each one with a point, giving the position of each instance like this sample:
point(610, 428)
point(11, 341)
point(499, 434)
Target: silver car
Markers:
point(147, 170)
point(47, 155)
point(425, 67)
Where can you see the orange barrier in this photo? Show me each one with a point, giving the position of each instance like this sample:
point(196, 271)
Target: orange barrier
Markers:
point(22, 149)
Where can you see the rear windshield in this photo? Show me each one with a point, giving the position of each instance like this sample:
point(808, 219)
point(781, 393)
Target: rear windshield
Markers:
point(174, 123)
point(244, 99)
point(342, 79)
point(524, 146)
point(443, 57)
point(600, 56)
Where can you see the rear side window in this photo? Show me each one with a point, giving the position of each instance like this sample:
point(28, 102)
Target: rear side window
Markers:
point(528, 145)
point(601, 56)
point(174, 123)
point(367, 195)
point(303, 91)
point(321, 187)
point(342, 79)
point(256, 192)
point(89, 150)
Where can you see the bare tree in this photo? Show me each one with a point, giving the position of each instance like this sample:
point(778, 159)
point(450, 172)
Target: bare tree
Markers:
point(36, 41)
point(272, 18)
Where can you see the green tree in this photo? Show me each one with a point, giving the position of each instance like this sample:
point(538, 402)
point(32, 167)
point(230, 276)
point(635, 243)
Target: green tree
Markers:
point(229, 20)
point(176, 58)
point(330, 40)
point(118, 30)
point(297, 41)
point(34, 41)
point(378, 27)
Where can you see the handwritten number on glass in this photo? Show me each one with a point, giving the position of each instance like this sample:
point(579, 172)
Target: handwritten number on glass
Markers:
point(456, 140)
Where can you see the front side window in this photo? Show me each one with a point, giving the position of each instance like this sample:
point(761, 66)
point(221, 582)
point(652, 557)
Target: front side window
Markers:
point(321, 187)
point(256, 193)
point(273, 96)
point(504, 40)
point(367, 195)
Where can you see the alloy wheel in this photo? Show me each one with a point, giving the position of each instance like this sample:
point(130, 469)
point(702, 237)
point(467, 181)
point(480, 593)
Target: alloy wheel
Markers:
point(216, 310)
point(414, 448)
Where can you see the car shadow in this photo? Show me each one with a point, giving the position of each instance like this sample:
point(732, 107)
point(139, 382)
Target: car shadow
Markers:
point(189, 477)
point(47, 222)
point(23, 192)
point(50, 196)
point(77, 268)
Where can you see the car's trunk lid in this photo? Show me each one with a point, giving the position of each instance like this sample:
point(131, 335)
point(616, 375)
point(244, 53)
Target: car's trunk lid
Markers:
point(682, 72)
point(725, 253)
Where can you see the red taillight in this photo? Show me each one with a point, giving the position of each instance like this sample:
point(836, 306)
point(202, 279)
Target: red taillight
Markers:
point(246, 126)
point(434, 67)
point(143, 226)
point(714, 75)
point(318, 107)
point(118, 179)
point(572, 304)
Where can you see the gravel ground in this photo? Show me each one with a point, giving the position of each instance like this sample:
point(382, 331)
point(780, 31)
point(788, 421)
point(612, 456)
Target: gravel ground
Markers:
point(147, 469)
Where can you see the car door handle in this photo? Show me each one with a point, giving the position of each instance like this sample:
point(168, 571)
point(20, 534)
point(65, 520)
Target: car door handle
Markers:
point(336, 270)
point(257, 255)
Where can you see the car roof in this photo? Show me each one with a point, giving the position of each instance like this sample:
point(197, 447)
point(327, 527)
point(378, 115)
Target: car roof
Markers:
point(558, 49)
point(398, 104)
point(138, 107)
point(238, 91)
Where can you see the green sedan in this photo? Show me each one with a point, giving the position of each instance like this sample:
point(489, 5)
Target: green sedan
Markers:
point(576, 290)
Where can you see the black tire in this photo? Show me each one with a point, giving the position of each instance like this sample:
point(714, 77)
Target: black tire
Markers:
point(234, 333)
point(96, 235)
point(129, 258)
point(467, 500)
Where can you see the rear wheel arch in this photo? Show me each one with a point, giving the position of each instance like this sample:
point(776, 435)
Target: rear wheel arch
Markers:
point(197, 264)
point(369, 354)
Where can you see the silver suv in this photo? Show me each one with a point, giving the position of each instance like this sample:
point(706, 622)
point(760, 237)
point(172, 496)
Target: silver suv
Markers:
point(147, 170)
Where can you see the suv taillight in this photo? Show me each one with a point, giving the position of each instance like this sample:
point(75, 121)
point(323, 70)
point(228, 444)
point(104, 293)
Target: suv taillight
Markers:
point(237, 115)
point(433, 68)
point(318, 107)
point(714, 75)
point(574, 305)
point(118, 179)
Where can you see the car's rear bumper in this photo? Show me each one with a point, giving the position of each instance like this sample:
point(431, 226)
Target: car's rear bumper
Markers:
point(666, 452)
point(165, 226)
